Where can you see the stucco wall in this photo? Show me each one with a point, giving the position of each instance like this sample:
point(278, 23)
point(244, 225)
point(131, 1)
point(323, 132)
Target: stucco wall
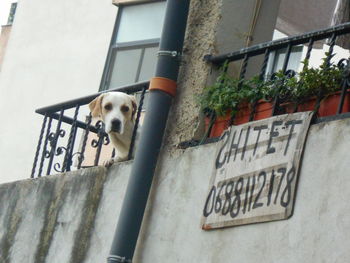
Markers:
point(214, 27)
point(56, 52)
point(71, 218)
point(318, 231)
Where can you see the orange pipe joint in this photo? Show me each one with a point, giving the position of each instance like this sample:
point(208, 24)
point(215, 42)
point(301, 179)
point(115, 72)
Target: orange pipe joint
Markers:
point(166, 85)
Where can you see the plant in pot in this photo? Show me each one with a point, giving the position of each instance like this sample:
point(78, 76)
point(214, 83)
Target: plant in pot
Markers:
point(227, 97)
point(231, 101)
point(314, 89)
point(319, 88)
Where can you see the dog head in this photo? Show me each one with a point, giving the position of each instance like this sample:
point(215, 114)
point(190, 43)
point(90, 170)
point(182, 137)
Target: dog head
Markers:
point(115, 109)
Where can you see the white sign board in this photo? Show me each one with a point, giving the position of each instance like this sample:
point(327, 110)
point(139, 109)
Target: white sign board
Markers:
point(256, 171)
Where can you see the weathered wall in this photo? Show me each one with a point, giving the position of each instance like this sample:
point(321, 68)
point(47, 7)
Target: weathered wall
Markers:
point(71, 218)
point(66, 218)
point(56, 52)
point(214, 27)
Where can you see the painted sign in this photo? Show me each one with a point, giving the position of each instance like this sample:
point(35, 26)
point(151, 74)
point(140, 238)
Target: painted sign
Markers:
point(256, 171)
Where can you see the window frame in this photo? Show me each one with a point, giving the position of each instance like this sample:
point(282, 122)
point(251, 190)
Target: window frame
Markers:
point(114, 47)
point(275, 55)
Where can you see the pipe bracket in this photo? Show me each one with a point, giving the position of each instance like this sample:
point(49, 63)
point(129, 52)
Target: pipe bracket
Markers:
point(118, 259)
point(170, 53)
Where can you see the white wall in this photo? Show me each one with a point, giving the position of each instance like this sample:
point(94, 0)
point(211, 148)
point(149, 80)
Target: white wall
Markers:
point(72, 217)
point(318, 231)
point(56, 52)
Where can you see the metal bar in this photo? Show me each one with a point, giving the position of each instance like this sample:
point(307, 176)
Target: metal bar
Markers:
point(70, 144)
point(81, 157)
point(276, 102)
point(71, 152)
point(134, 132)
point(87, 99)
point(264, 65)
point(328, 63)
point(69, 120)
point(279, 44)
point(43, 156)
point(342, 96)
point(244, 67)
point(53, 143)
point(309, 49)
point(286, 58)
point(212, 118)
point(38, 147)
point(261, 77)
point(331, 48)
point(101, 136)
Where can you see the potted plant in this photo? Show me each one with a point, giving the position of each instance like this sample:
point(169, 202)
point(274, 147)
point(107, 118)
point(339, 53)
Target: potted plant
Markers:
point(231, 101)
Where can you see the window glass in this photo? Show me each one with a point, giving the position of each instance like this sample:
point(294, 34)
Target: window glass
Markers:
point(294, 59)
point(140, 22)
point(148, 63)
point(125, 67)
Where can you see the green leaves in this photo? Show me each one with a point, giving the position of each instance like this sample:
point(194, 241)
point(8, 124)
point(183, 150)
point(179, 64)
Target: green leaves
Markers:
point(228, 93)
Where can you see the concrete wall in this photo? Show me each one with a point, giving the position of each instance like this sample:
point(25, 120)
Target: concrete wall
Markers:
point(66, 218)
point(56, 52)
point(71, 218)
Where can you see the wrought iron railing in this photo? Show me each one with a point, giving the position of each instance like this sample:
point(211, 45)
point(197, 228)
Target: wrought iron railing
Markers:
point(64, 124)
point(264, 51)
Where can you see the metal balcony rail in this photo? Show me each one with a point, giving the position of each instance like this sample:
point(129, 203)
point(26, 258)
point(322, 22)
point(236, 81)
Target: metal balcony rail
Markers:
point(61, 153)
point(264, 50)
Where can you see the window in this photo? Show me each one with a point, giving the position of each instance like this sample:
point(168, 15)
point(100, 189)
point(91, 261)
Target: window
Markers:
point(276, 58)
point(133, 51)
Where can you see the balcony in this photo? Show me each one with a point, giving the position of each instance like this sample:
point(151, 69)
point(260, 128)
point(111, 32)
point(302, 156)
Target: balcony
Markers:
point(67, 127)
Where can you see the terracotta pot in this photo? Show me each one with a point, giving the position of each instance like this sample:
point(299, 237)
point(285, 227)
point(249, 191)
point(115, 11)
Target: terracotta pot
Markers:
point(220, 124)
point(328, 106)
point(263, 111)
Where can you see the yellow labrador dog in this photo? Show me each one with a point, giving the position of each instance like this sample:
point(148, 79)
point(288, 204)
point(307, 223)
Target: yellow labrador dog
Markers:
point(117, 110)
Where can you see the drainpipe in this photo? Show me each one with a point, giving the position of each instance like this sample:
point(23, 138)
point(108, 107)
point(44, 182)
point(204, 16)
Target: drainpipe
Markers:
point(162, 91)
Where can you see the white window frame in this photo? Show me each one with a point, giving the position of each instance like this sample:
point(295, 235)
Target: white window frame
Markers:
point(115, 47)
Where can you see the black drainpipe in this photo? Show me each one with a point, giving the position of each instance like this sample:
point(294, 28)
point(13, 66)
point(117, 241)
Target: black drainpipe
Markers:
point(162, 91)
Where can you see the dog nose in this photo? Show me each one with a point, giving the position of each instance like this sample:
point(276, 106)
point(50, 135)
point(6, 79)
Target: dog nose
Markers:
point(116, 125)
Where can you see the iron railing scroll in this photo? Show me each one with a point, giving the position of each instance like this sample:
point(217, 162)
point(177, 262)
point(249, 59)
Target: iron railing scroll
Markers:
point(68, 127)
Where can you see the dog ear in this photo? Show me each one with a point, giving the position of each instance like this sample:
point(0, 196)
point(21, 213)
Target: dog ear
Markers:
point(96, 106)
point(134, 106)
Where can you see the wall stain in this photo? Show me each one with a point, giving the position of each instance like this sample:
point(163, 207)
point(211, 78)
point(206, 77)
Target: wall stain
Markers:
point(11, 223)
point(54, 193)
point(83, 234)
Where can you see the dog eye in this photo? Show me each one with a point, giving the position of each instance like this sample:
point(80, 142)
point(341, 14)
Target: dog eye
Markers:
point(108, 106)
point(124, 108)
